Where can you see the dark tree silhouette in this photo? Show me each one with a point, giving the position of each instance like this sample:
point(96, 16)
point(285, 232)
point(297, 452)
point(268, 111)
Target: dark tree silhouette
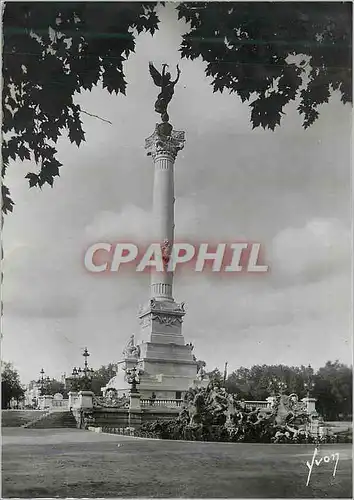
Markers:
point(332, 385)
point(11, 387)
point(334, 391)
point(53, 386)
point(102, 376)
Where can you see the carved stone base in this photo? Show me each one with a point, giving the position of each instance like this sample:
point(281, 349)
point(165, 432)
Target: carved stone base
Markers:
point(161, 322)
point(168, 365)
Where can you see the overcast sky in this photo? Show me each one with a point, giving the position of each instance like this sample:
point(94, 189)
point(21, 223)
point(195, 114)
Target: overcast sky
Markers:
point(288, 190)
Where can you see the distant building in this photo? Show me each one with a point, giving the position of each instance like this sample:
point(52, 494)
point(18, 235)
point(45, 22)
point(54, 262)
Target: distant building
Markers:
point(32, 394)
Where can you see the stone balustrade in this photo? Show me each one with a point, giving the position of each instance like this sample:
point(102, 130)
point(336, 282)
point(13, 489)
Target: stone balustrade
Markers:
point(177, 403)
point(48, 402)
point(64, 403)
point(166, 403)
point(85, 400)
point(256, 404)
point(45, 402)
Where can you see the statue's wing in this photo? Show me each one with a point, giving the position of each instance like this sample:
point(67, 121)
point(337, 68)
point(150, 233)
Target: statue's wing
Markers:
point(156, 76)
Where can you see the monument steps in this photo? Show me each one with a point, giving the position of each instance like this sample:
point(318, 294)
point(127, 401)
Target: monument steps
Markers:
point(53, 420)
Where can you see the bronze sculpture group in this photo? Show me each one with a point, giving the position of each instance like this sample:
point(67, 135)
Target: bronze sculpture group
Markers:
point(212, 414)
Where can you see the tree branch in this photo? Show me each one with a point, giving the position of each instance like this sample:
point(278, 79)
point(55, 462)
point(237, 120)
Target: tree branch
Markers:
point(95, 116)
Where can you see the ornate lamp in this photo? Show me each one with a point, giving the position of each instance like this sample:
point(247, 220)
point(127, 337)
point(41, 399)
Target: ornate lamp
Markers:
point(309, 386)
point(83, 376)
point(87, 373)
point(282, 387)
point(133, 378)
point(74, 379)
point(272, 386)
point(277, 386)
point(41, 381)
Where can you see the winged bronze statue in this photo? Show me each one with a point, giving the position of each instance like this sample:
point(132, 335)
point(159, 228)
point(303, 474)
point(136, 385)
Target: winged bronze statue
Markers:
point(163, 80)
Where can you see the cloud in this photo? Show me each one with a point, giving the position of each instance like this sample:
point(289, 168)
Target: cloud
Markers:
point(131, 222)
point(248, 323)
point(48, 279)
point(311, 252)
point(39, 282)
point(136, 224)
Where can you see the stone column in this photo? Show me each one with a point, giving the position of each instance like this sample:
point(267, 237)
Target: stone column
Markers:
point(134, 402)
point(73, 397)
point(166, 361)
point(163, 145)
point(134, 412)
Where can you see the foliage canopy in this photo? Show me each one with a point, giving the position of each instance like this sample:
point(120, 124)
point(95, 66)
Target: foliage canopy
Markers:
point(267, 53)
point(11, 387)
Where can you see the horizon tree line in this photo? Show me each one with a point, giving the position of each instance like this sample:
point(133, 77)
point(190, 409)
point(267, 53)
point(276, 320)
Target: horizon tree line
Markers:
point(331, 385)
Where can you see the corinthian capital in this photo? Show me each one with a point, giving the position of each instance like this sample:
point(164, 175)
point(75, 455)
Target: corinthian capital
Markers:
point(161, 142)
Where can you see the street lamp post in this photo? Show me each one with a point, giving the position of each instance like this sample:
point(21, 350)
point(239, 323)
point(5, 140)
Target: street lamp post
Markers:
point(42, 380)
point(282, 387)
point(75, 381)
point(271, 387)
point(133, 379)
point(309, 386)
point(87, 372)
point(83, 376)
point(277, 386)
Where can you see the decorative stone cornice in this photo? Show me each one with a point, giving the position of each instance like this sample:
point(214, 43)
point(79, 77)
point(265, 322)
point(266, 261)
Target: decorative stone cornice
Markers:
point(167, 313)
point(167, 319)
point(165, 142)
point(155, 306)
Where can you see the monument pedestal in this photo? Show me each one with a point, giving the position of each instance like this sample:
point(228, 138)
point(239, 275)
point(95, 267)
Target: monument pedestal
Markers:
point(168, 365)
point(85, 399)
point(134, 401)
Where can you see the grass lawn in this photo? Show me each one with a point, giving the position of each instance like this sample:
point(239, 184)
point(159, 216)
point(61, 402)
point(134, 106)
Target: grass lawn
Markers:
point(76, 463)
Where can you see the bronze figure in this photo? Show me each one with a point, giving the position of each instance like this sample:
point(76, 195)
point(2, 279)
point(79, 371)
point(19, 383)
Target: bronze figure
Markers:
point(163, 80)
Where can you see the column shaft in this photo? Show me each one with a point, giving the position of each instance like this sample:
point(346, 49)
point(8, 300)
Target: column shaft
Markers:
point(163, 215)
point(163, 148)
